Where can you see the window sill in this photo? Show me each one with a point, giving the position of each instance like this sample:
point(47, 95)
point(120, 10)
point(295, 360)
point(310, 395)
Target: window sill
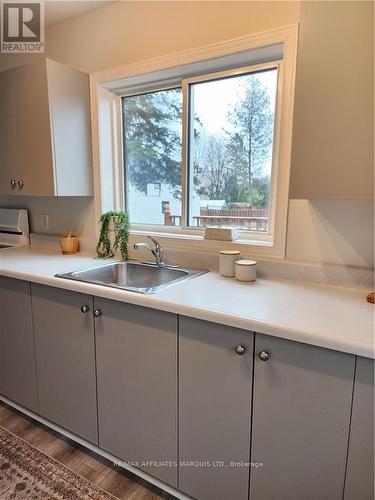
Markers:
point(197, 243)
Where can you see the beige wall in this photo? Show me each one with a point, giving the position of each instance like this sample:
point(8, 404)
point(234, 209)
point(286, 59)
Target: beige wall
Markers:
point(331, 232)
point(124, 32)
point(11, 60)
point(333, 115)
point(75, 213)
point(333, 133)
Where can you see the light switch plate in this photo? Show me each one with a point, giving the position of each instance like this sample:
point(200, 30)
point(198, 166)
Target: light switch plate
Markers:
point(45, 221)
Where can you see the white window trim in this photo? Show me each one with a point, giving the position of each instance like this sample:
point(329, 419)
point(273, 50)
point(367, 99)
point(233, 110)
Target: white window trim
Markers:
point(107, 141)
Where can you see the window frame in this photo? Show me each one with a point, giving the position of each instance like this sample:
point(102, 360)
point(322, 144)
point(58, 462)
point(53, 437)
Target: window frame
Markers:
point(157, 87)
point(106, 88)
point(246, 235)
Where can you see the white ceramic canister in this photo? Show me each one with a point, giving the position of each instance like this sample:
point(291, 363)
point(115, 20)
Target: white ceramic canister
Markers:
point(246, 270)
point(227, 261)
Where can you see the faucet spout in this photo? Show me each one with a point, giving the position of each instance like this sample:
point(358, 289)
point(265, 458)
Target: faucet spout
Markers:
point(157, 251)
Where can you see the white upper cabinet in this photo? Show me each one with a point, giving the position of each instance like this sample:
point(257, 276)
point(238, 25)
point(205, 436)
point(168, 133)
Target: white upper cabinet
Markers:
point(45, 143)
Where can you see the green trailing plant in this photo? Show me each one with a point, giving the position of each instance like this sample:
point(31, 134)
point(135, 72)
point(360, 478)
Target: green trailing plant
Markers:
point(105, 249)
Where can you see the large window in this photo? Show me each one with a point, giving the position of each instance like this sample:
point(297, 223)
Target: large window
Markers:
point(225, 177)
point(200, 138)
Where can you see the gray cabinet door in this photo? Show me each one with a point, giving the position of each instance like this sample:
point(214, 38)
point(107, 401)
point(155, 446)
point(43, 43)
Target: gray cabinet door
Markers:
point(137, 386)
point(65, 354)
point(17, 355)
point(302, 405)
point(69, 101)
point(33, 156)
point(360, 469)
point(8, 133)
point(215, 386)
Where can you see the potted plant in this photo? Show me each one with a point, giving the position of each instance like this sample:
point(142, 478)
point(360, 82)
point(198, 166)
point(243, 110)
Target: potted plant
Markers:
point(118, 224)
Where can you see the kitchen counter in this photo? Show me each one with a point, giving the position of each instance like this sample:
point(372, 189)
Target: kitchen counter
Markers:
point(321, 315)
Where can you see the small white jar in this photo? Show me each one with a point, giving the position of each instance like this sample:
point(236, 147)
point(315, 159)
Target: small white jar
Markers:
point(227, 261)
point(246, 270)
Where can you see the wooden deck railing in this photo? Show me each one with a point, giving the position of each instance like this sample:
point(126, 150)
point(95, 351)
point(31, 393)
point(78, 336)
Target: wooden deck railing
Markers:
point(238, 212)
point(240, 222)
point(251, 219)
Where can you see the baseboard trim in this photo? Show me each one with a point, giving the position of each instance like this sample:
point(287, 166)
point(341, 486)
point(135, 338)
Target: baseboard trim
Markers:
point(143, 475)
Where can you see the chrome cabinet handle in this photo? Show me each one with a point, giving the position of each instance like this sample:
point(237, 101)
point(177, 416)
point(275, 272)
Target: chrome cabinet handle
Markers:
point(97, 312)
point(85, 308)
point(240, 349)
point(20, 184)
point(264, 356)
point(13, 183)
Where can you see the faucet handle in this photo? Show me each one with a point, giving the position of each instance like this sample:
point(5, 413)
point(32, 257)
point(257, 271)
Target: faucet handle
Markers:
point(155, 242)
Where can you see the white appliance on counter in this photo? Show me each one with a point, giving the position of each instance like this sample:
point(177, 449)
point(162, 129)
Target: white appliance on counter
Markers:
point(14, 228)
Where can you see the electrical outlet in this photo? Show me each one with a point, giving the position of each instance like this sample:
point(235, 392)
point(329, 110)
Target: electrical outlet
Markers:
point(45, 223)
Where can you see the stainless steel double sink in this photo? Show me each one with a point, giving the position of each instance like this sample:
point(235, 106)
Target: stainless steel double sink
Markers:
point(134, 276)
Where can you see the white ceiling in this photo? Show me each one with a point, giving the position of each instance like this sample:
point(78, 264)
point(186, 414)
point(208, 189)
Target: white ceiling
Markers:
point(56, 11)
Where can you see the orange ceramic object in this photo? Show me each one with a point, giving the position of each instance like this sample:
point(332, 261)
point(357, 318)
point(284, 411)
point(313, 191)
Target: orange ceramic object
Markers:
point(69, 244)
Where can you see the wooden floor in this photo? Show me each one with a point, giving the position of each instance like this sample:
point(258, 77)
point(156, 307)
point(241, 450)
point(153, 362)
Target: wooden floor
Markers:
point(98, 470)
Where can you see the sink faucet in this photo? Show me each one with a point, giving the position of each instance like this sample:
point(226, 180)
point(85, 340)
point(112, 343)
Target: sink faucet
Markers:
point(157, 251)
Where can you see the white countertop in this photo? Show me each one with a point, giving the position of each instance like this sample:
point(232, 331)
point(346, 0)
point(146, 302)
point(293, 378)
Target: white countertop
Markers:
point(321, 315)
